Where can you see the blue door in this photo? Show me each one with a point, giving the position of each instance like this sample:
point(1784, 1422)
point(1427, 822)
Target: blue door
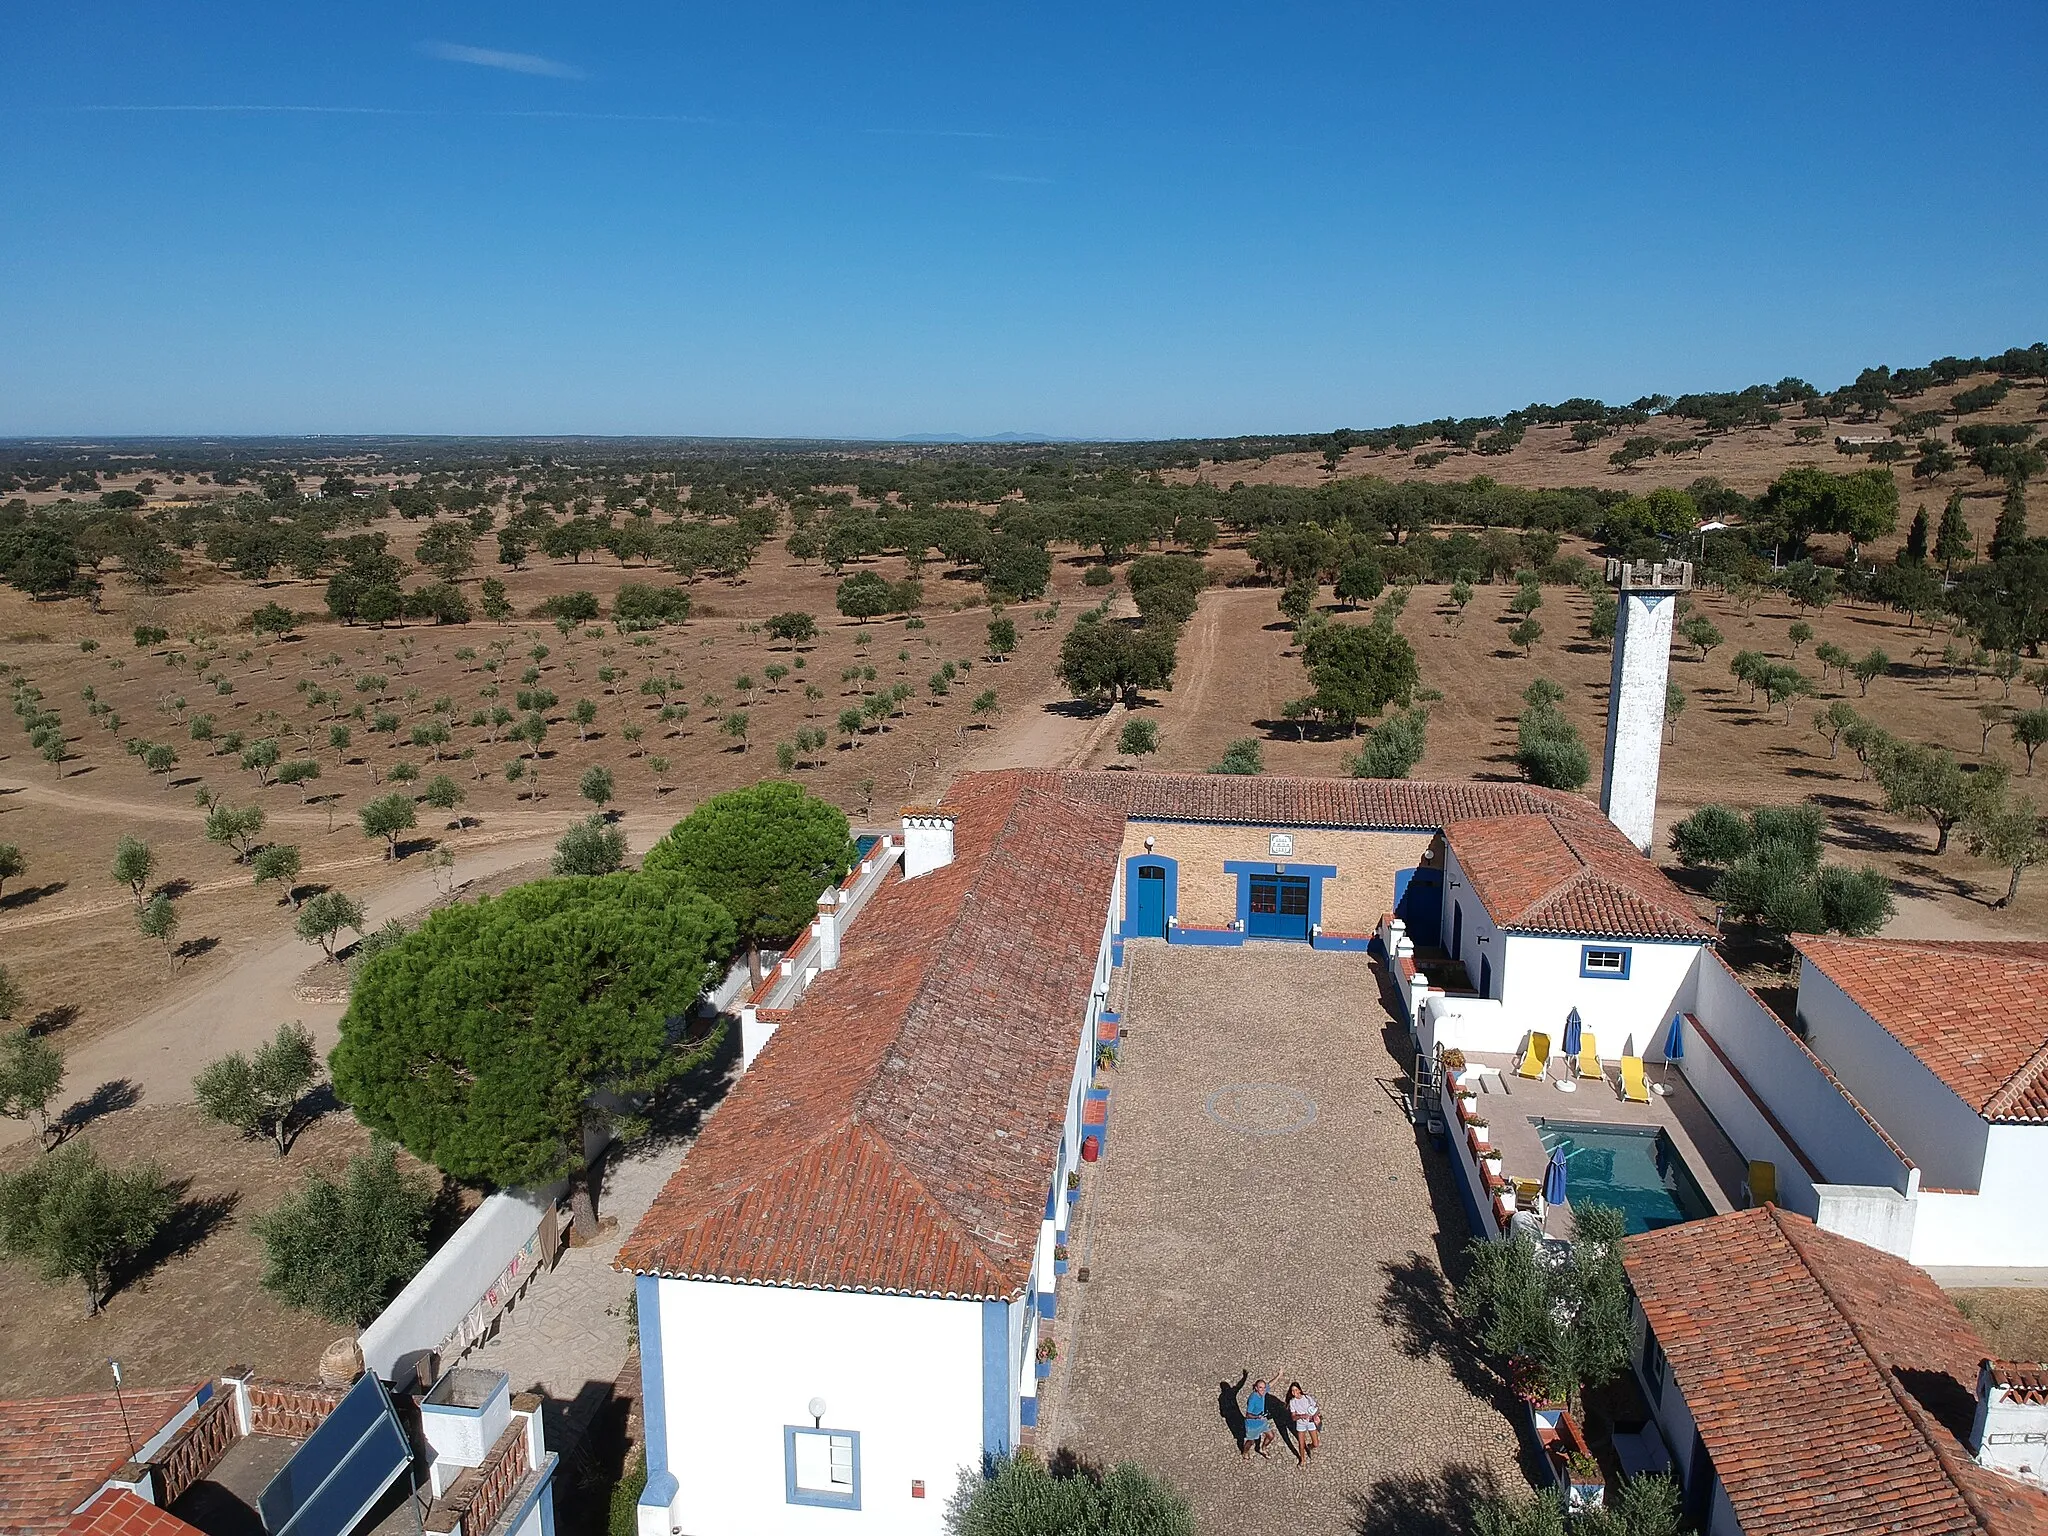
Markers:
point(1419, 902)
point(1457, 930)
point(1145, 905)
point(1279, 907)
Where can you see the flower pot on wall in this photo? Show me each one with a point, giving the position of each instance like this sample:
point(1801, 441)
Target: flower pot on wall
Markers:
point(1479, 1132)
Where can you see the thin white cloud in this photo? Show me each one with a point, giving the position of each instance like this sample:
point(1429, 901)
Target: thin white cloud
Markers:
point(497, 58)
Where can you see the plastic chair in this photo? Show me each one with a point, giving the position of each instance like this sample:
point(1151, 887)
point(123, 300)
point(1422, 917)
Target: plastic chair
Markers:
point(1633, 1088)
point(1763, 1182)
point(1589, 1056)
point(1536, 1058)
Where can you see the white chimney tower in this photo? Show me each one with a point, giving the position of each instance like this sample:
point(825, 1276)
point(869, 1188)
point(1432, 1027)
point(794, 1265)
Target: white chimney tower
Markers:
point(2011, 1432)
point(1647, 591)
point(927, 840)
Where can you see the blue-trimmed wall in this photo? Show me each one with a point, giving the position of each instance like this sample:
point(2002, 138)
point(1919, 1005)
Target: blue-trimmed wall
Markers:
point(998, 1381)
point(1171, 894)
point(662, 1486)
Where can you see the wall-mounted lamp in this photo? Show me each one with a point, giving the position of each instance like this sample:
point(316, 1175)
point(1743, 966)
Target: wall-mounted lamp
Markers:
point(1150, 842)
point(816, 1408)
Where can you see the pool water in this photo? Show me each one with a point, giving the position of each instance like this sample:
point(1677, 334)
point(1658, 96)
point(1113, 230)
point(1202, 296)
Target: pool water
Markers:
point(1640, 1172)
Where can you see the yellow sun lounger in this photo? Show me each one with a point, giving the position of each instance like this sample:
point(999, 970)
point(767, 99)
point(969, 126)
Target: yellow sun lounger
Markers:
point(1633, 1087)
point(1763, 1182)
point(1589, 1056)
point(1537, 1056)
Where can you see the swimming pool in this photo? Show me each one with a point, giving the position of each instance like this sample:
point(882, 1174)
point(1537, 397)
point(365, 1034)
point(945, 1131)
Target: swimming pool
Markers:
point(1640, 1171)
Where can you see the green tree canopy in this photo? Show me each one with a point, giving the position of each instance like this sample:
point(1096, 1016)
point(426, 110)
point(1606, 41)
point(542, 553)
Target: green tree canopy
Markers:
point(345, 1249)
point(764, 854)
point(479, 1040)
point(81, 1220)
point(1021, 1496)
point(1359, 669)
point(1102, 658)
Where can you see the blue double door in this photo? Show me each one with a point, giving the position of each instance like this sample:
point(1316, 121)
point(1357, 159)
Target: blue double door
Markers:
point(1278, 907)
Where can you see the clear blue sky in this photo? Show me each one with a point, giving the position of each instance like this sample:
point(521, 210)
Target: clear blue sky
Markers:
point(1090, 220)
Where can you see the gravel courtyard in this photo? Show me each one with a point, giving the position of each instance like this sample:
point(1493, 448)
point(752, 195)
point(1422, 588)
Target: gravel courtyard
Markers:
point(1263, 1204)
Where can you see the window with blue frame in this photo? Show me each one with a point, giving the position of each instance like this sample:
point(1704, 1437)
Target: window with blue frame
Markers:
point(821, 1466)
point(1604, 961)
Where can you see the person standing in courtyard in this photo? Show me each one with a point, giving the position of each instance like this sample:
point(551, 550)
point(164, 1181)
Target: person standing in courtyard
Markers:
point(1308, 1422)
point(1258, 1423)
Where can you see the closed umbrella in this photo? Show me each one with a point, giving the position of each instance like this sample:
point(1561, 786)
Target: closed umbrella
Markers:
point(1555, 1178)
point(1674, 1043)
point(1574, 1027)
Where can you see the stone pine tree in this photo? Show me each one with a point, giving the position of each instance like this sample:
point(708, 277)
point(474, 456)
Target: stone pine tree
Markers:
point(764, 854)
point(496, 1036)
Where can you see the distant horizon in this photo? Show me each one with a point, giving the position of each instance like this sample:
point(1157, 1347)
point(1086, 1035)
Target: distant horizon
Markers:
point(1128, 225)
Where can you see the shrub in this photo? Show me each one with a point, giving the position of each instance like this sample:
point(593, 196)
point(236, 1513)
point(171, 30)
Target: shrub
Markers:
point(1021, 1494)
point(1548, 748)
point(639, 607)
point(591, 847)
point(1139, 738)
point(344, 1250)
point(1393, 749)
point(1243, 756)
point(577, 607)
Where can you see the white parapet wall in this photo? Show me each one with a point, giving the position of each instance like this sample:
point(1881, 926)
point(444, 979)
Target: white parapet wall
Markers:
point(475, 1274)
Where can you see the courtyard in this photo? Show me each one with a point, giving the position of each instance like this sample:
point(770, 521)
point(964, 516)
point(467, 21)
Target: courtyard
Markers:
point(1263, 1204)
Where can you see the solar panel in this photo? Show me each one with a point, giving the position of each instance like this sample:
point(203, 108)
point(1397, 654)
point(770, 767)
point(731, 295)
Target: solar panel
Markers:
point(338, 1475)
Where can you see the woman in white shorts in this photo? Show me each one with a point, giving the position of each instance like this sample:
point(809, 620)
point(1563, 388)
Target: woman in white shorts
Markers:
point(1308, 1422)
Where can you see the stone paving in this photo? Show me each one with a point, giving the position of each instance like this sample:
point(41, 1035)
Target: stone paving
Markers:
point(1263, 1204)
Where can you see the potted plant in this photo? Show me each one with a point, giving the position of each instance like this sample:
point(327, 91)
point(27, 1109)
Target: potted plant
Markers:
point(1454, 1063)
point(1585, 1483)
point(1506, 1196)
point(1047, 1351)
point(1073, 1186)
point(1478, 1124)
point(1492, 1162)
point(1105, 1057)
point(1059, 1258)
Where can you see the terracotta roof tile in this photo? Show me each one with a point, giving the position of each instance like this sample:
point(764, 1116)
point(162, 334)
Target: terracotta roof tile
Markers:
point(2028, 1382)
point(1384, 804)
point(899, 1132)
point(54, 1451)
point(1976, 1014)
point(1833, 1385)
point(121, 1513)
point(1560, 874)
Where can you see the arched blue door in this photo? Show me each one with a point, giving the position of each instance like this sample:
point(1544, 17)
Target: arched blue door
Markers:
point(1145, 905)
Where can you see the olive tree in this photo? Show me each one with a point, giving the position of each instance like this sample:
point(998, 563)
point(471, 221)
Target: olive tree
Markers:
point(259, 1094)
point(31, 1068)
point(80, 1220)
point(345, 1249)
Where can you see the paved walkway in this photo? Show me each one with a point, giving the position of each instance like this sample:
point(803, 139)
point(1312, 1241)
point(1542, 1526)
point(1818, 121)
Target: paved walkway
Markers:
point(569, 1335)
point(1263, 1205)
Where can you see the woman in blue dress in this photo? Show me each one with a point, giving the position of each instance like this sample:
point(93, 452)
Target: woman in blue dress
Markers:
point(1258, 1423)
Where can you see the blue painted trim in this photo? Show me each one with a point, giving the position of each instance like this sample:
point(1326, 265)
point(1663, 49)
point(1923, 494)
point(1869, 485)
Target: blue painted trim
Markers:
point(1226, 938)
point(1170, 896)
point(1269, 867)
point(1027, 1412)
point(1329, 941)
point(542, 1490)
point(662, 1486)
point(996, 1386)
point(1586, 970)
point(795, 1495)
point(1047, 1301)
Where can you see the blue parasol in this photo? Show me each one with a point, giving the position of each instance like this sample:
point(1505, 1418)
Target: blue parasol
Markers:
point(1554, 1178)
point(1674, 1043)
point(1573, 1026)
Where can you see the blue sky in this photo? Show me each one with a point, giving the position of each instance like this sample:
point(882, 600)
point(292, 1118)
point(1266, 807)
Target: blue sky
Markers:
point(1090, 220)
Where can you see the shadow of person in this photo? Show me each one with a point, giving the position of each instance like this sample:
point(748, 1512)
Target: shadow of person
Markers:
point(1227, 1406)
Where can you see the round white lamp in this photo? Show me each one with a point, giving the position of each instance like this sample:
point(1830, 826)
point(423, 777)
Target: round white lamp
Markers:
point(816, 1407)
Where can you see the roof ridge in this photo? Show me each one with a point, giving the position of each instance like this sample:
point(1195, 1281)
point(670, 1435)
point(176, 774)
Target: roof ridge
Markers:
point(865, 1094)
point(1886, 1371)
point(2016, 1086)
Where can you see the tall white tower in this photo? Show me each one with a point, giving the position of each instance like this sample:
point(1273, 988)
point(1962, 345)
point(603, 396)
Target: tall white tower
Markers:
point(1648, 595)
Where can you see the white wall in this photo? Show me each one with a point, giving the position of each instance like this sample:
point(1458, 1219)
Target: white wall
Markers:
point(1782, 1072)
point(2001, 1224)
point(1941, 1133)
point(1635, 712)
point(1633, 1017)
point(739, 1362)
point(423, 1315)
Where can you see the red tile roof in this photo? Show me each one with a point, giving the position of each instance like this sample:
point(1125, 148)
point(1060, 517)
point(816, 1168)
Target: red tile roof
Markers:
point(1976, 1014)
point(122, 1514)
point(1563, 874)
point(2027, 1382)
point(54, 1451)
point(1391, 805)
point(1833, 1385)
point(899, 1131)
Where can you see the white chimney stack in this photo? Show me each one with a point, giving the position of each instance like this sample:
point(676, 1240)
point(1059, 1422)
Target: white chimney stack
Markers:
point(927, 840)
point(1647, 599)
point(827, 929)
point(2011, 1432)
